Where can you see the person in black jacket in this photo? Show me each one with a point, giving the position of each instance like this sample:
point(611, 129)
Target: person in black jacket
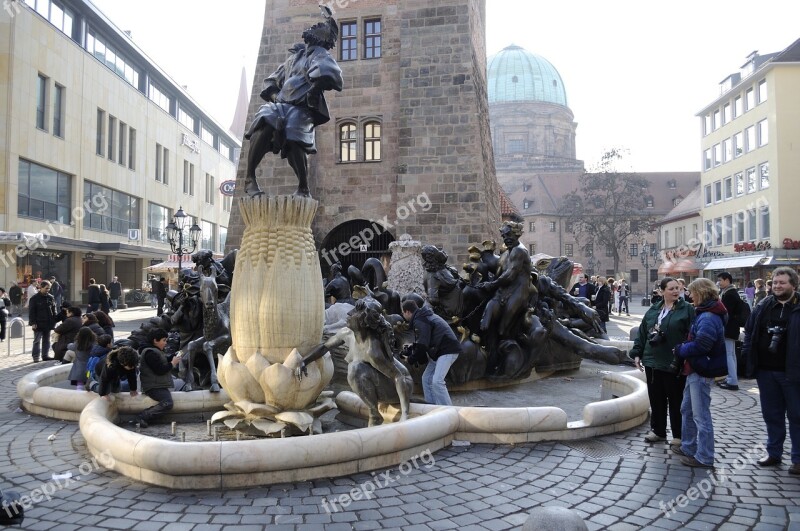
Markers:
point(93, 295)
point(67, 331)
point(114, 292)
point(42, 318)
point(5, 311)
point(602, 301)
point(435, 342)
point(772, 354)
point(119, 363)
point(583, 288)
point(730, 298)
point(156, 375)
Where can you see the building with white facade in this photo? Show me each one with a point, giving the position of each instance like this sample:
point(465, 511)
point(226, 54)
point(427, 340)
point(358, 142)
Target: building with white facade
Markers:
point(98, 148)
point(750, 167)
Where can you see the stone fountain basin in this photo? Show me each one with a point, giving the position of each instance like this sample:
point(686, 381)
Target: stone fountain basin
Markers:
point(212, 465)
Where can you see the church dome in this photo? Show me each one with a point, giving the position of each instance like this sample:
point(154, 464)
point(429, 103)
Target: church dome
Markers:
point(515, 74)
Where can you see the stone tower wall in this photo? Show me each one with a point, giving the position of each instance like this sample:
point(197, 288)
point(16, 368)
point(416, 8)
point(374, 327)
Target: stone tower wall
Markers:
point(428, 89)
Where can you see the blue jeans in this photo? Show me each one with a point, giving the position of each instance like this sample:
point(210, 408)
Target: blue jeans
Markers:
point(780, 399)
point(730, 349)
point(43, 337)
point(433, 385)
point(697, 430)
point(114, 303)
point(623, 301)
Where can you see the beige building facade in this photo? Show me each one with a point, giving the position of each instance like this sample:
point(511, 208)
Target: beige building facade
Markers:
point(750, 165)
point(98, 149)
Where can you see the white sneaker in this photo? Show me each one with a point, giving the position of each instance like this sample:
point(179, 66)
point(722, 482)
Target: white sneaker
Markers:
point(651, 437)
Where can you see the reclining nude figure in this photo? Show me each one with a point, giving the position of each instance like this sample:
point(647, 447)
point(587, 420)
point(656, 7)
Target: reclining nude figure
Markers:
point(373, 372)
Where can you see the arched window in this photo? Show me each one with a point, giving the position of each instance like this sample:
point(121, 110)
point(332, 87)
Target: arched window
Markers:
point(347, 143)
point(372, 141)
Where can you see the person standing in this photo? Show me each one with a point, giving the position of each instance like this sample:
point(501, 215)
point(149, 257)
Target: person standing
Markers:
point(93, 295)
point(114, 292)
point(602, 301)
point(761, 292)
point(32, 289)
point(42, 318)
point(624, 293)
point(155, 373)
point(5, 308)
point(153, 292)
point(772, 354)
point(105, 300)
point(583, 288)
point(664, 326)
point(750, 293)
point(703, 358)
point(734, 304)
point(436, 343)
point(15, 294)
point(161, 295)
point(57, 291)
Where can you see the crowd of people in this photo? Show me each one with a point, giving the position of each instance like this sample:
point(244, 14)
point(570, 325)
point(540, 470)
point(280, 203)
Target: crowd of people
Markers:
point(688, 339)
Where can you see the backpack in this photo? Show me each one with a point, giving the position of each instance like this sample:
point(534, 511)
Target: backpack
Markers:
point(92, 369)
point(742, 313)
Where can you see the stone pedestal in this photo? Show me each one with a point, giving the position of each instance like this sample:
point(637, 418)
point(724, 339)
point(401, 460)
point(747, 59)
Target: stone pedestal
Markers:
point(277, 312)
point(406, 271)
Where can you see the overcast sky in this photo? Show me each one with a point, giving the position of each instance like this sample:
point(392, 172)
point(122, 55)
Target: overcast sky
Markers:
point(636, 72)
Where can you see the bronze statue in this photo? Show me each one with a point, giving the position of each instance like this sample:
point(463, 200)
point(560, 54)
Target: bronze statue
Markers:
point(373, 372)
point(504, 313)
point(338, 287)
point(216, 336)
point(295, 104)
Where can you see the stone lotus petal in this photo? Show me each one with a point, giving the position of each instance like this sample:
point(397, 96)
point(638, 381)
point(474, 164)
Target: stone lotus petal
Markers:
point(237, 379)
point(282, 388)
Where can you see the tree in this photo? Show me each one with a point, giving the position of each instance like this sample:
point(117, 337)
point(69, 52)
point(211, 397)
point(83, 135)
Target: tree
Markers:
point(608, 208)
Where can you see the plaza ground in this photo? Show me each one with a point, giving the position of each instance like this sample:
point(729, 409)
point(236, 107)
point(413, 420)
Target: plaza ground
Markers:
point(615, 482)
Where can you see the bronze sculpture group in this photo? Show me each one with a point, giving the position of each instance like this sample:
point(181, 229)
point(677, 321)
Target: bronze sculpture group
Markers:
point(510, 316)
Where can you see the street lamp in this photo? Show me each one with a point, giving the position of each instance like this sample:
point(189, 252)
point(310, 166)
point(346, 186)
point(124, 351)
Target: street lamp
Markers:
point(175, 236)
point(645, 258)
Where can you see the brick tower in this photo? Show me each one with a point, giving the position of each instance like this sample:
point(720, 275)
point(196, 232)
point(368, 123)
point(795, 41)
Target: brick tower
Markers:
point(408, 141)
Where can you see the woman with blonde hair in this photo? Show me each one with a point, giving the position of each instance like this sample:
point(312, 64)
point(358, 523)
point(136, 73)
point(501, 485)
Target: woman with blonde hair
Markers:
point(703, 358)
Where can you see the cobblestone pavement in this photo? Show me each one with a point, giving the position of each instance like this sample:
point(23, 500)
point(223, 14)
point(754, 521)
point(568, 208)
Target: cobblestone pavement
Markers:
point(615, 482)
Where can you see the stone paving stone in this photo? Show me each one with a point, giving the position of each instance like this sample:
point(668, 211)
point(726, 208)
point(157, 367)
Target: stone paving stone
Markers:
point(148, 526)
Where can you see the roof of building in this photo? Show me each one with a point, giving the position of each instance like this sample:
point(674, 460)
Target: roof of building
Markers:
point(689, 206)
point(507, 208)
point(544, 191)
point(515, 74)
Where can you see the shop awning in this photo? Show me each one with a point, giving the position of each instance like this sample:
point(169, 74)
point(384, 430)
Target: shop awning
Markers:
point(734, 262)
point(777, 261)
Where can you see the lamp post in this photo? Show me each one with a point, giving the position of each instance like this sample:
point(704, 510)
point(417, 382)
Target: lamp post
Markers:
point(175, 236)
point(645, 258)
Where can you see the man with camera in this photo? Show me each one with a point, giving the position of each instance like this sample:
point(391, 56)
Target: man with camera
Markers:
point(772, 354)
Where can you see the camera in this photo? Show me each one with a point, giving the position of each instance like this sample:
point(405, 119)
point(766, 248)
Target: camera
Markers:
point(656, 336)
point(777, 334)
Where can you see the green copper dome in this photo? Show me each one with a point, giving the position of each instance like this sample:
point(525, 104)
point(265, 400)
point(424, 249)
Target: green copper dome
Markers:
point(515, 74)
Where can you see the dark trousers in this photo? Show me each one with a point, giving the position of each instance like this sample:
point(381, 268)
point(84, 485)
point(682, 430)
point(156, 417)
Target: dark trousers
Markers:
point(623, 301)
point(160, 306)
point(164, 399)
point(780, 399)
point(43, 337)
point(665, 391)
point(2, 324)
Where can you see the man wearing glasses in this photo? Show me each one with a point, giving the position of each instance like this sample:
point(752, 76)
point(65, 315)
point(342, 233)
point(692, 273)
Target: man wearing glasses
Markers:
point(42, 318)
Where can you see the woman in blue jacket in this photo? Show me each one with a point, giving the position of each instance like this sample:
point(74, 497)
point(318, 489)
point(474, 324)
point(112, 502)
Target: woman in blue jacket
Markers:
point(704, 358)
